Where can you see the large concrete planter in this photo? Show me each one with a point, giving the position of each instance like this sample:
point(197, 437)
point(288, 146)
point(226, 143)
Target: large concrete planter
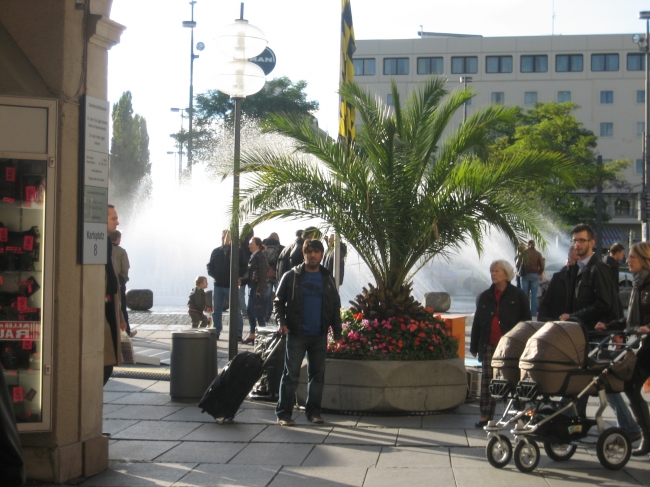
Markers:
point(390, 386)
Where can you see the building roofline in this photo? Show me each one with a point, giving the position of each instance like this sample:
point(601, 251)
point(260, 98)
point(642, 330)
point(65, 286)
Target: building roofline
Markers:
point(444, 34)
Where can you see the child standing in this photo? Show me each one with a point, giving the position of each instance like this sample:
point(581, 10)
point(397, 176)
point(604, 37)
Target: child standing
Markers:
point(196, 303)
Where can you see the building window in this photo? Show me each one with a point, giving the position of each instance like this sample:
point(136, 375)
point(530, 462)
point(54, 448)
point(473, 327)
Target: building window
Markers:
point(464, 65)
point(640, 96)
point(389, 100)
point(429, 65)
point(364, 67)
point(639, 166)
point(568, 62)
point(563, 96)
point(604, 62)
point(622, 207)
point(606, 97)
point(640, 128)
point(636, 62)
point(534, 64)
point(607, 129)
point(498, 64)
point(530, 97)
point(396, 65)
point(498, 97)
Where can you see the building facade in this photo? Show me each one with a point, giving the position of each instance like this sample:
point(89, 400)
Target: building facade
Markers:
point(53, 56)
point(603, 74)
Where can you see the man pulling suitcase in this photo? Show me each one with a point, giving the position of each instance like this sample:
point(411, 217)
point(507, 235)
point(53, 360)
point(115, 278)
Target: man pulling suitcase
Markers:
point(306, 305)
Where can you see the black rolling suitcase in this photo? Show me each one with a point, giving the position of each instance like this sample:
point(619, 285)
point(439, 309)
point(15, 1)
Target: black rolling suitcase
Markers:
point(228, 391)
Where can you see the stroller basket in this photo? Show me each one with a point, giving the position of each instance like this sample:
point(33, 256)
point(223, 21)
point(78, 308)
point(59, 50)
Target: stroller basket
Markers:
point(499, 388)
point(527, 390)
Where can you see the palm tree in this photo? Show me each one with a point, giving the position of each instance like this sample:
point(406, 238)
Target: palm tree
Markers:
point(409, 188)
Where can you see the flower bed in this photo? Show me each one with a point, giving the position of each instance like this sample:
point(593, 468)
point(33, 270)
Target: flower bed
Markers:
point(394, 338)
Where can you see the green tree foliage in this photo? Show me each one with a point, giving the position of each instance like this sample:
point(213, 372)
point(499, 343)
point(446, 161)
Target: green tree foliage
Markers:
point(554, 127)
point(214, 113)
point(279, 95)
point(129, 165)
point(403, 193)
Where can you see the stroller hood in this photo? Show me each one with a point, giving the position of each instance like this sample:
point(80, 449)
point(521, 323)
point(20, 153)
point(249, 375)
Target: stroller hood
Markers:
point(558, 345)
point(554, 354)
point(505, 360)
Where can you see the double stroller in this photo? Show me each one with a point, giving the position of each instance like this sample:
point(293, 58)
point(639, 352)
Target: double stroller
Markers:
point(545, 372)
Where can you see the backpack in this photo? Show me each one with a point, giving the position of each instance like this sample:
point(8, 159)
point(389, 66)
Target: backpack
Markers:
point(272, 253)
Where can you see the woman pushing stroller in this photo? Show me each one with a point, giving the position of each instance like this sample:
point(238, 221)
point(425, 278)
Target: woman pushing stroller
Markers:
point(638, 320)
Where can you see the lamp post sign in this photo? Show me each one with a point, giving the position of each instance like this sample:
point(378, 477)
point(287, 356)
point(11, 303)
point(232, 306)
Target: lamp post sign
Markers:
point(94, 234)
point(266, 60)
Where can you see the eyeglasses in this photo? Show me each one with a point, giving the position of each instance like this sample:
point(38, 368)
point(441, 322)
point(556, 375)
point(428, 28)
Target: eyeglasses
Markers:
point(580, 241)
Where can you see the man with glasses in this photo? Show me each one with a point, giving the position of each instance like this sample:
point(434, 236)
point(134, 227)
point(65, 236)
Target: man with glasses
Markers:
point(594, 299)
point(593, 295)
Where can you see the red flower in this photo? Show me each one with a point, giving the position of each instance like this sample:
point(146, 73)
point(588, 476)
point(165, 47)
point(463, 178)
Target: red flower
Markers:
point(358, 316)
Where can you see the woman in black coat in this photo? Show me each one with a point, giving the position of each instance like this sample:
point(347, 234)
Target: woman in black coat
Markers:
point(499, 309)
point(258, 268)
point(638, 319)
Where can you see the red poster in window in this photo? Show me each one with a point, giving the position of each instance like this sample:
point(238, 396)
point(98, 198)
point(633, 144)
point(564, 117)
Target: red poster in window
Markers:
point(28, 242)
point(28, 344)
point(8, 200)
point(10, 173)
point(21, 303)
point(4, 234)
point(19, 395)
point(2, 280)
point(30, 193)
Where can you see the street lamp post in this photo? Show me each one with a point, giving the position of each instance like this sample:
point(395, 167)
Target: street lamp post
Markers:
point(238, 78)
point(180, 142)
point(179, 152)
point(190, 24)
point(642, 42)
point(465, 80)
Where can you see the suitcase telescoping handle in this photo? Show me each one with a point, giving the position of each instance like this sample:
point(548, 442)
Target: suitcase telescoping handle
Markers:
point(278, 339)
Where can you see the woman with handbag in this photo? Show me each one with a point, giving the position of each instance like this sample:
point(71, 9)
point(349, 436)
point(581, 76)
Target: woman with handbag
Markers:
point(638, 320)
point(257, 280)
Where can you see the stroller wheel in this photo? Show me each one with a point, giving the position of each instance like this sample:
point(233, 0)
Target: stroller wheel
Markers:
point(499, 451)
point(559, 452)
point(526, 456)
point(613, 448)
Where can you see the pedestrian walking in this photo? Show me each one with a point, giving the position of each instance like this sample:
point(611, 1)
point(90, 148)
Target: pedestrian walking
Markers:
point(499, 309)
point(531, 264)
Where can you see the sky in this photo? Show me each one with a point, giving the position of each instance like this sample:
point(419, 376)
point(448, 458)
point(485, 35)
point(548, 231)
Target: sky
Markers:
point(152, 59)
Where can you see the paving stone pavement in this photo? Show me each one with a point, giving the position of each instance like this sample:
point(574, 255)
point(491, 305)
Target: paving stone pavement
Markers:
point(156, 441)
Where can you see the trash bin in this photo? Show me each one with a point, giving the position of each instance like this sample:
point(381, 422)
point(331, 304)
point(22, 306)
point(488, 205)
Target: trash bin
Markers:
point(193, 362)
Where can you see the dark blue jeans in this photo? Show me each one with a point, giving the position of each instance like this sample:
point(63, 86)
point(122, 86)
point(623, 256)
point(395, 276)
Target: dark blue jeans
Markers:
point(219, 296)
point(297, 346)
point(252, 320)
